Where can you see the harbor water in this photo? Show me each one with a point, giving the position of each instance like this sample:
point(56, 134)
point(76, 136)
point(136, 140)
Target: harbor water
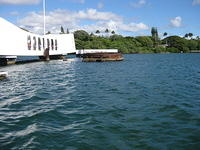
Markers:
point(146, 102)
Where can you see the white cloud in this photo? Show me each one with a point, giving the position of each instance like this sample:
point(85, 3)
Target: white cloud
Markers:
point(176, 22)
point(19, 2)
point(138, 4)
point(196, 2)
point(73, 20)
point(54, 19)
point(93, 14)
point(100, 5)
point(115, 26)
point(133, 27)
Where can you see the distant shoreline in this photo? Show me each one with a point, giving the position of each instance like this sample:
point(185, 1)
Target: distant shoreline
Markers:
point(137, 44)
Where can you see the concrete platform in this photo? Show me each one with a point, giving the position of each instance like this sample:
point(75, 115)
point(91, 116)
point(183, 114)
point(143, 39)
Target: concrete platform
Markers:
point(7, 60)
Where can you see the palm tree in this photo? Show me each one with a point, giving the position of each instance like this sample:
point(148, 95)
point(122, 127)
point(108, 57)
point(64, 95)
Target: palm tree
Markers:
point(62, 30)
point(165, 34)
point(97, 32)
point(190, 34)
point(186, 35)
point(113, 32)
point(91, 34)
point(48, 32)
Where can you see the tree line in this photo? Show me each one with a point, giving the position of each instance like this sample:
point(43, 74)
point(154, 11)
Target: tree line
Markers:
point(138, 44)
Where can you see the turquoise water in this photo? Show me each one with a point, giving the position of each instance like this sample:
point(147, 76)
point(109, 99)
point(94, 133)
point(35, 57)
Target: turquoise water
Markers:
point(144, 102)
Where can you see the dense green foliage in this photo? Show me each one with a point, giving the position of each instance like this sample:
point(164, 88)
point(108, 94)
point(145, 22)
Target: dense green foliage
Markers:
point(139, 44)
point(179, 44)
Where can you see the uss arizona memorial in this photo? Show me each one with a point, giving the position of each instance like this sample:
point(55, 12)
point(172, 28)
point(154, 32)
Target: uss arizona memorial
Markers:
point(15, 41)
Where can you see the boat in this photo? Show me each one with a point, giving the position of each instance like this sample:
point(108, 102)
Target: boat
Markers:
point(17, 42)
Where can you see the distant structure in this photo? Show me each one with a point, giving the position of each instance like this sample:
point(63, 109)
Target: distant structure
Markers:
point(99, 55)
point(80, 53)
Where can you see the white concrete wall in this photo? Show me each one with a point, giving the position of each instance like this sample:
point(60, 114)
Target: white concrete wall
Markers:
point(13, 42)
point(66, 43)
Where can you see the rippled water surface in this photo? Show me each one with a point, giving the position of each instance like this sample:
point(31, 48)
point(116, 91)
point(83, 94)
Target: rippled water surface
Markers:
point(144, 102)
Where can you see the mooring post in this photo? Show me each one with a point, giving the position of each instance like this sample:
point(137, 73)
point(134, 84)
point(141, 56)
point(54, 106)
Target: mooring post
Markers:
point(46, 54)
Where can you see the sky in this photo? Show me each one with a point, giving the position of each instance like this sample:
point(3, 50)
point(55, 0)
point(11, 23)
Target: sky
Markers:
point(125, 17)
